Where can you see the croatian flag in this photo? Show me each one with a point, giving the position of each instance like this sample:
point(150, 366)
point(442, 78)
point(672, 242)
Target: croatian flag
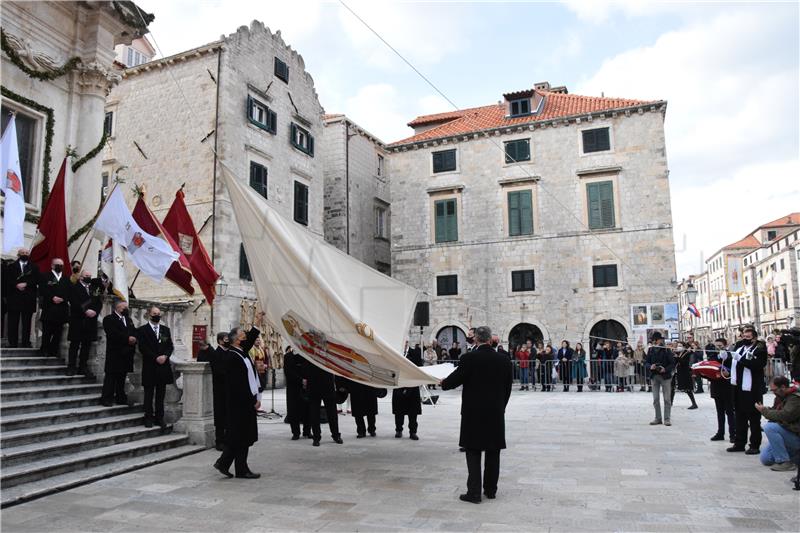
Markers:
point(693, 309)
point(11, 180)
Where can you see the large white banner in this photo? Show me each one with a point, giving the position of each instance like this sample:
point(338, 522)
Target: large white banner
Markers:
point(337, 312)
point(733, 275)
point(14, 205)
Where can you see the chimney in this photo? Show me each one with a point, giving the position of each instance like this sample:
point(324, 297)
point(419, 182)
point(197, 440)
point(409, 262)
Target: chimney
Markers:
point(542, 86)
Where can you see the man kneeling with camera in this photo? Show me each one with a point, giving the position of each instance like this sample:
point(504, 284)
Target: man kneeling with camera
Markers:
point(783, 426)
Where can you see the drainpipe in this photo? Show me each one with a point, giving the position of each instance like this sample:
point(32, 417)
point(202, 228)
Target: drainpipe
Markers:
point(214, 185)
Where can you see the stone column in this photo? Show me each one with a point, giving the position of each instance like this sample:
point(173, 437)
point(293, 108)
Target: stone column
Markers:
point(198, 403)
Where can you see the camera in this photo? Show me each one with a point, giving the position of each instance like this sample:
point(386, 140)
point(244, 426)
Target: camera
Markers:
point(790, 337)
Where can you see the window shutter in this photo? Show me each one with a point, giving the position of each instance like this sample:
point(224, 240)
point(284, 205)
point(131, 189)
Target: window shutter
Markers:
point(310, 145)
point(523, 150)
point(525, 213)
point(273, 122)
point(452, 221)
point(602, 141)
point(513, 213)
point(511, 152)
point(450, 159)
point(606, 192)
point(593, 204)
point(293, 134)
point(440, 229)
point(249, 107)
point(244, 267)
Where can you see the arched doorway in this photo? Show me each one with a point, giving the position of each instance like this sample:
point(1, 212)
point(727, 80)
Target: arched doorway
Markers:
point(607, 330)
point(523, 332)
point(450, 334)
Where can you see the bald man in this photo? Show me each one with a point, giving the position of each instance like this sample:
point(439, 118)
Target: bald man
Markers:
point(22, 279)
point(54, 288)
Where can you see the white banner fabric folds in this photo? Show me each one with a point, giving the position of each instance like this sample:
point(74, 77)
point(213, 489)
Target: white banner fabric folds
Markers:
point(337, 312)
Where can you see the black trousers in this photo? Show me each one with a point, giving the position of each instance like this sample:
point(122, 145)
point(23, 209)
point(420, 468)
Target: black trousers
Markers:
point(412, 423)
point(51, 338)
point(361, 428)
point(79, 353)
point(698, 382)
point(158, 409)
point(491, 472)
point(236, 456)
point(329, 401)
point(747, 418)
point(725, 410)
point(114, 387)
point(296, 429)
point(14, 319)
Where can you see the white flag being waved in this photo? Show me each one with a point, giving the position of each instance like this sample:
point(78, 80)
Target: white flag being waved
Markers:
point(152, 255)
point(14, 206)
point(112, 263)
point(336, 312)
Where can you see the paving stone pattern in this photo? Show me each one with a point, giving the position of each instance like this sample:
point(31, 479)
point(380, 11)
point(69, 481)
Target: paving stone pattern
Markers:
point(575, 462)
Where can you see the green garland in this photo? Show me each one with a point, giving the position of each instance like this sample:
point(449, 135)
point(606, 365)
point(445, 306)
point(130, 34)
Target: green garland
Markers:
point(83, 229)
point(38, 74)
point(48, 140)
point(96, 150)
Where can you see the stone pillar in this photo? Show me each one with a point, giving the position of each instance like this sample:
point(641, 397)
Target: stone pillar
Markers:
point(198, 403)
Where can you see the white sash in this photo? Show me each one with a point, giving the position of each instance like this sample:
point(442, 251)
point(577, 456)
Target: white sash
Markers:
point(251, 376)
point(747, 376)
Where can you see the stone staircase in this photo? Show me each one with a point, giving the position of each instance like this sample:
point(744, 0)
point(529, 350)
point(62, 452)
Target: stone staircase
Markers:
point(55, 435)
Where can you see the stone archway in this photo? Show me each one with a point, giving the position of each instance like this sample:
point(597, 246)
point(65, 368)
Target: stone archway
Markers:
point(606, 329)
point(523, 332)
point(446, 335)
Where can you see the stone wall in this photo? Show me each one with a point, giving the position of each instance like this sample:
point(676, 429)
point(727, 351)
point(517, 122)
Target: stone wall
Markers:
point(561, 251)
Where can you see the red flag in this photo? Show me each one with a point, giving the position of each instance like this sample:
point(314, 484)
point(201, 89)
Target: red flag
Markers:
point(178, 223)
point(51, 241)
point(179, 271)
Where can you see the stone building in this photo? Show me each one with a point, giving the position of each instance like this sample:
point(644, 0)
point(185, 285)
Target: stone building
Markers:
point(246, 97)
point(357, 201)
point(752, 281)
point(545, 216)
point(56, 72)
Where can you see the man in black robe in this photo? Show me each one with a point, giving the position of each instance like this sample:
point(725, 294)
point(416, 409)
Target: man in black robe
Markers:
point(296, 394)
point(218, 359)
point(120, 348)
point(486, 377)
point(54, 288)
point(22, 282)
point(747, 362)
point(85, 303)
point(242, 400)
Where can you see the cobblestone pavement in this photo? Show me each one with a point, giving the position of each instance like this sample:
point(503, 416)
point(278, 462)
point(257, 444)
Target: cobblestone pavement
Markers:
point(586, 461)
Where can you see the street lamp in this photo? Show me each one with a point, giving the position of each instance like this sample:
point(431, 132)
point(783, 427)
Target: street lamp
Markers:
point(691, 297)
point(222, 286)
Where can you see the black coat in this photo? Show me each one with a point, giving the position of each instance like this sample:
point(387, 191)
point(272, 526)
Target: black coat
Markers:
point(407, 400)
point(719, 388)
point(24, 300)
point(218, 359)
point(119, 354)
point(486, 377)
point(683, 371)
point(81, 299)
point(756, 363)
point(321, 383)
point(661, 356)
point(151, 348)
point(241, 428)
point(49, 288)
point(363, 398)
point(296, 396)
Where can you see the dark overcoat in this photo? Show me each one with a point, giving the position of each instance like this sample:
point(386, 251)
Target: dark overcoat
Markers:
point(363, 398)
point(407, 400)
point(241, 428)
point(486, 377)
point(81, 299)
point(24, 300)
point(151, 348)
point(50, 287)
point(296, 396)
point(683, 371)
point(119, 354)
point(720, 388)
point(218, 359)
point(756, 364)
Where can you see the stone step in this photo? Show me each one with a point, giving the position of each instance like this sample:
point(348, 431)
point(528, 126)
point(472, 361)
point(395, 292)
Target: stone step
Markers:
point(51, 404)
point(36, 489)
point(32, 393)
point(63, 416)
point(25, 436)
point(31, 371)
point(54, 466)
point(30, 361)
point(20, 352)
point(43, 381)
point(39, 451)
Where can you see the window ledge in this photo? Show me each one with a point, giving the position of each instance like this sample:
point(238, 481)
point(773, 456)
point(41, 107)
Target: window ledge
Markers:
point(445, 188)
point(527, 162)
point(598, 170)
point(516, 181)
point(445, 173)
point(383, 239)
point(259, 92)
point(615, 229)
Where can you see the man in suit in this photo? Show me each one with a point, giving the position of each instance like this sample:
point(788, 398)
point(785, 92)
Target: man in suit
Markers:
point(120, 348)
point(54, 288)
point(321, 388)
point(22, 277)
point(296, 394)
point(660, 363)
point(85, 303)
point(242, 402)
point(155, 344)
point(364, 401)
point(218, 361)
point(747, 362)
point(406, 401)
point(486, 378)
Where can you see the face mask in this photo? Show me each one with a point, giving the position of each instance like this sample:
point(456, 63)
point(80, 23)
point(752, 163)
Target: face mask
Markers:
point(23, 258)
point(125, 312)
point(470, 339)
point(87, 280)
point(58, 268)
point(494, 345)
point(155, 319)
point(76, 270)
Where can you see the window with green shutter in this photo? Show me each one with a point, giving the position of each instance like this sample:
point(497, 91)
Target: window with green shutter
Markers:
point(446, 223)
point(258, 178)
point(522, 281)
point(301, 139)
point(447, 285)
point(301, 203)
point(444, 161)
point(519, 150)
point(596, 140)
point(604, 276)
point(600, 203)
point(520, 213)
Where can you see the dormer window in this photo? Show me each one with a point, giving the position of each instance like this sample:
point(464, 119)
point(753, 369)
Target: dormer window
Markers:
point(519, 107)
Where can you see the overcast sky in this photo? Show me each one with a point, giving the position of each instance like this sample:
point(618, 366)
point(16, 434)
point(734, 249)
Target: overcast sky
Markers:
point(728, 70)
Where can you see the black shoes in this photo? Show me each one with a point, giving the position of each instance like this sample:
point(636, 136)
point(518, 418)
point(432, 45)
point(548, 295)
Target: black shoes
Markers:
point(222, 471)
point(160, 423)
point(491, 496)
point(371, 433)
point(148, 422)
point(469, 498)
point(398, 434)
point(361, 435)
point(248, 475)
point(337, 439)
point(106, 403)
point(735, 449)
point(692, 407)
point(413, 436)
point(315, 443)
point(752, 451)
point(71, 371)
point(295, 437)
point(718, 437)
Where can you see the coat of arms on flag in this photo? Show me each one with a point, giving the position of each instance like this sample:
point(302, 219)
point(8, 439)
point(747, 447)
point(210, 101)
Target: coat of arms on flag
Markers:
point(13, 182)
point(137, 241)
point(186, 242)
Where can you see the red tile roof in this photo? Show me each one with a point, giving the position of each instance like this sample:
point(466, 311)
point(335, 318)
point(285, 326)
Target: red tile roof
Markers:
point(788, 220)
point(749, 242)
point(556, 105)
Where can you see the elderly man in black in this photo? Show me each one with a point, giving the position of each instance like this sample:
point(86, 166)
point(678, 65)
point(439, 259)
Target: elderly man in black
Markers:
point(218, 360)
point(486, 377)
point(85, 303)
point(22, 281)
point(120, 349)
point(242, 401)
point(54, 288)
point(747, 362)
point(155, 344)
point(321, 388)
point(296, 394)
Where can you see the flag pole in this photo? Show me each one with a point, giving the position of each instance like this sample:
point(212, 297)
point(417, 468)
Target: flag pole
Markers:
point(99, 210)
